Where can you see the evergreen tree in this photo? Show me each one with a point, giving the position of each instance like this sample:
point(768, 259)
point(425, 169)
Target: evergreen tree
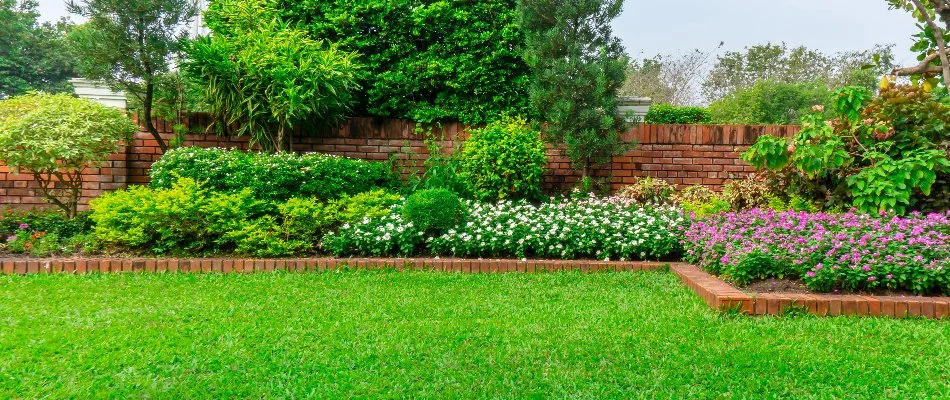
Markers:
point(578, 68)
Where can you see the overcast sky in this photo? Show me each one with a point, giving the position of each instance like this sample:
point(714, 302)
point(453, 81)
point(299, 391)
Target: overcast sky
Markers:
point(650, 27)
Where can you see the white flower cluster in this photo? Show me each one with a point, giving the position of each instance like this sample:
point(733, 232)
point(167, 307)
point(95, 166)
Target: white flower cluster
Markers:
point(597, 228)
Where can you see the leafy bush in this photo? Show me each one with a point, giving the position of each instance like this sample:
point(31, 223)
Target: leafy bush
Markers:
point(753, 191)
point(433, 209)
point(186, 219)
point(694, 194)
point(670, 114)
point(768, 102)
point(878, 154)
point(610, 228)
point(425, 61)
point(704, 208)
point(55, 137)
point(648, 190)
point(848, 251)
point(266, 76)
point(503, 160)
point(373, 204)
point(271, 177)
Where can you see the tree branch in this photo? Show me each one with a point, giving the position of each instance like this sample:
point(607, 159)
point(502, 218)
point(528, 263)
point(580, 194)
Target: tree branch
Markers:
point(938, 34)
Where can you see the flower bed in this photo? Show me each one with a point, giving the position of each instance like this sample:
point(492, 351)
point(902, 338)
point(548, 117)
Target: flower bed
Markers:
point(853, 252)
point(609, 228)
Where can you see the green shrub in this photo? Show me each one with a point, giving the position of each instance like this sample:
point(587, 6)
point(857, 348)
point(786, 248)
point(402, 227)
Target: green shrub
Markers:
point(266, 237)
point(187, 219)
point(768, 102)
point(271, 177)
point(695, 194)
point(648, 190)
point(748, 193)
point(373, 204)
point(504, 160)
point(670, 114)
point(433, 209)
point(702, 209)
point(55, 137)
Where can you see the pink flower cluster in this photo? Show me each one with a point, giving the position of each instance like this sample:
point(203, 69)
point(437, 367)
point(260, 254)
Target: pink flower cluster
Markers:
point(849, 251)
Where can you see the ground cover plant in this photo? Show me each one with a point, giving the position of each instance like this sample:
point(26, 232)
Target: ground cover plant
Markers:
point(851, 251)
point(439, 335)
point(562, 228)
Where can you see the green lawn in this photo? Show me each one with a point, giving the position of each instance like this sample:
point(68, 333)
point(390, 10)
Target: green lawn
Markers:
point(443, 335)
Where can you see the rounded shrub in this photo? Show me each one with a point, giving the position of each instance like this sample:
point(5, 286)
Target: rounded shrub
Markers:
point(670, 114)
point(433, 209)
point(503, 160)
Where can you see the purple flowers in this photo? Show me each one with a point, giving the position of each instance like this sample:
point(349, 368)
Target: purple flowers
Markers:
point(850, 251)
point(24, 226)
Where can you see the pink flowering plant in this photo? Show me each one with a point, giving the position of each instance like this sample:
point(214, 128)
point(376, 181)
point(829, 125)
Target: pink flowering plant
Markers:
point(851, 251)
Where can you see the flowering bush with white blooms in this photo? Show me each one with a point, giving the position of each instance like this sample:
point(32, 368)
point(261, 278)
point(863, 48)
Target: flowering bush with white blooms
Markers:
point(562, 228)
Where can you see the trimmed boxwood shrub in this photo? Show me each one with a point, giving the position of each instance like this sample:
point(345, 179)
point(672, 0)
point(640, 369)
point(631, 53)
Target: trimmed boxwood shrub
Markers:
point(504, 160)
point(669, 114)
point(433, 209)
point(273, 177)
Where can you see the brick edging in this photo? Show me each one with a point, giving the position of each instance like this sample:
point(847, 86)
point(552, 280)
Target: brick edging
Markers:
point(227, 265)
point(722, 296)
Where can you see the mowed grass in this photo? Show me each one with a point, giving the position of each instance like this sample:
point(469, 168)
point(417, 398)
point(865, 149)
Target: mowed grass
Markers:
point(438, 335)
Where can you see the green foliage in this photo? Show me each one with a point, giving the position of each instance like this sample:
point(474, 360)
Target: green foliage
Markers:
point(373, 204)
point(54, 137)
point(268, 77)
point(129, 44)
point(425, 60)
point(441, 169)
point(702, 209)
point(187, 219)
point(670, 114)
point(49, 221)
point(768, 102)
point(700, 201)
point(578, 67)
point(33, 56)
point(879, 154)
point(176, 96)
point(648, 190)
point(503, 160)
point(737, 71)
point(433, 210)
point(272, 177)
point(756, 265)
point(751, 192)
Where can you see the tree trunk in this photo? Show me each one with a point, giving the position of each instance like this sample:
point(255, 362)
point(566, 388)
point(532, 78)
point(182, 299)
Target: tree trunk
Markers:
point(938, 34)
point(147, 115)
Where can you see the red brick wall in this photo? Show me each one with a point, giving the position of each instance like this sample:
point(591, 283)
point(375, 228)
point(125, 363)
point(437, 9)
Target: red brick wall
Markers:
point(682, 154)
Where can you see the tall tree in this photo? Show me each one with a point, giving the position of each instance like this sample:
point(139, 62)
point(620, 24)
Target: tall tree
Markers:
point(777, 62)
point(668, 79)
point(578, 67)
point(129, 44)
point(33, 56)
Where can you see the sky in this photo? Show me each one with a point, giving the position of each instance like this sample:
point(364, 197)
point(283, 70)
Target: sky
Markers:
point(651, 27)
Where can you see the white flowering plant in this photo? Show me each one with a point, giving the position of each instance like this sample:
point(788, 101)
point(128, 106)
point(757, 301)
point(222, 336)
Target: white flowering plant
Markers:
point(561, 228)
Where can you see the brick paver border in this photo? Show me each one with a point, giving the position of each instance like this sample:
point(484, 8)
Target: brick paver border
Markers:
point(722, 296)
point(227, 265)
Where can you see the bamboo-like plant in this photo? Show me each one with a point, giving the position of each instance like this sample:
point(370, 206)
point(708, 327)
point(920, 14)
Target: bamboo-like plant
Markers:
point(266, 77)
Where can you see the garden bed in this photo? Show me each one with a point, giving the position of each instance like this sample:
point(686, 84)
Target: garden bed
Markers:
point(723, 296)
